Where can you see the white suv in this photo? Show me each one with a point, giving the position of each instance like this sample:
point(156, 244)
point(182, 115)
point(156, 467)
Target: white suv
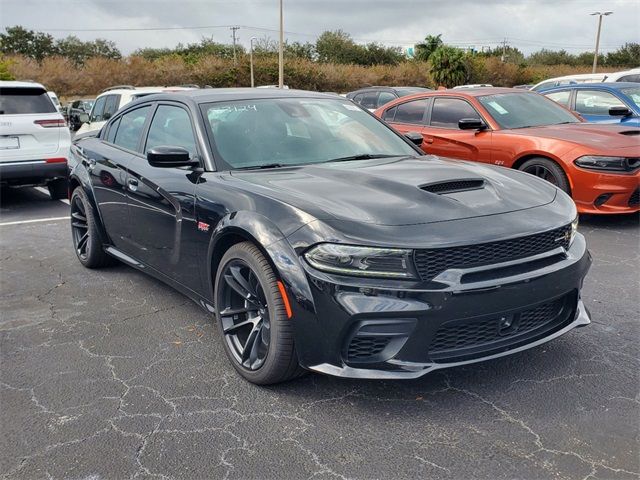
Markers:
point(112, 99)
point(34, 138)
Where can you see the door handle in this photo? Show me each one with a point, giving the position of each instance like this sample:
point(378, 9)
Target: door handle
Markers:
point(133, 184)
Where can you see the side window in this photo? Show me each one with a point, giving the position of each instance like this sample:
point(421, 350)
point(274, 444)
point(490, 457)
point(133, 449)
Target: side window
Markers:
point(630, 78)
point(411, 112)
point(130, 128)
point(447, 111)
point(593, 102)
point(110, 106)
point(370, 100)
point(358, 98)
point(384, 98)
point(560, 97)
point(171, 126)
point(111, 134)
point(389, 114)
point(98, 109)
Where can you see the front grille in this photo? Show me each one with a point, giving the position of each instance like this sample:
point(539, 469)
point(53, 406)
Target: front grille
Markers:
point(454, 186)
point(473, 338)
point(634, 199)
point(365, 347)
point(434, 261)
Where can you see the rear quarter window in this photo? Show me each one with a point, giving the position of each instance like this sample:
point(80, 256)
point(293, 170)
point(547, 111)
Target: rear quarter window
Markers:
point(16, 100)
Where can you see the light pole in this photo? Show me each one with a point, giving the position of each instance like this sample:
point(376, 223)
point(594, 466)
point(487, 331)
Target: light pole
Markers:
point(595, 55)
point(281, 51)
point(251, 59)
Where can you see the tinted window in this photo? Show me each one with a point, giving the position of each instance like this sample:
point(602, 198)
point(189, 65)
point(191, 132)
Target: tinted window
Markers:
point(389, 114)
point(370, 100)
point(171, 126)
point(521, 110)
point(544, 85)
point(384, 98)
point(24, 100)
point(98, 109)
point(630, 78)
point(295, 131)
point(560, 97)
point(358, 98)
point(593, 102)
point(411, 112)
point(111, 135)
point(110, 106)
point(130, 128)
point(447, 111)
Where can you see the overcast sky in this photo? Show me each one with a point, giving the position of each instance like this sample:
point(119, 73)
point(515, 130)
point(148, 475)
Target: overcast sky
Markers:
point(526, 24)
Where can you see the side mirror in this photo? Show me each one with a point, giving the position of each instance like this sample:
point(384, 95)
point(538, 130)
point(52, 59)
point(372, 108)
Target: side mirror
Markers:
point(619, 111)
point(169, 157)
point(83, 117)
point(414, 137)
point(471, 124)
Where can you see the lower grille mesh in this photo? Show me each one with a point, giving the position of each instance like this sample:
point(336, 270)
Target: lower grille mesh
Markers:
point(365, 347)
point(634, 200)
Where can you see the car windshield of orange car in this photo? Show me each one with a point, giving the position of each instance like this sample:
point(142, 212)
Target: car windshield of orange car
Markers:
point(270, 133)
point(522, 110)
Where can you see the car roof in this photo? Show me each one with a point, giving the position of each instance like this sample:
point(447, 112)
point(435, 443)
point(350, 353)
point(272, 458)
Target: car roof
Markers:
point(18, 84)
point(210, 95)
point(474, 92)
point(599, 85)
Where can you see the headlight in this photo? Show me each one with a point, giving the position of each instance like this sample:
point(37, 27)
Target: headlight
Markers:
point(609, 164)
point(362, 261)
point(574, 229)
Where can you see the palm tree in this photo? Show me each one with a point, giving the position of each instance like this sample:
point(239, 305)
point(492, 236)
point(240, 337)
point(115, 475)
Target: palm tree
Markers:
point(426, 48)
point(448, 66)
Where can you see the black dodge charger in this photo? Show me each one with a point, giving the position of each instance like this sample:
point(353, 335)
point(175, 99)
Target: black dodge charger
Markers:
point(324, 240)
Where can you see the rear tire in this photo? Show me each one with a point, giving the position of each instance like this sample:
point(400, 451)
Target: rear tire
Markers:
point(58, 189)
point(547, 170)
point(258, 335)
point(87, 241)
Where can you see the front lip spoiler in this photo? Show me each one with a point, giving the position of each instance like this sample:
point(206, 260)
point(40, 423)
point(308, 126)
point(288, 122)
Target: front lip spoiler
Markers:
point(415, 370)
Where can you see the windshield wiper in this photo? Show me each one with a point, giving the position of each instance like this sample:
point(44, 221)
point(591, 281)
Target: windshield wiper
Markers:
point(362, 156)
point(260, 167)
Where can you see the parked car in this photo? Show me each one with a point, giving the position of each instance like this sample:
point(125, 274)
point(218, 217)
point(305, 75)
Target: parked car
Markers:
point(374, 97)
point(598, 165)
point(56, 102)
point(76, 110)
point(112, 99)
point(601, 102)
point(324, 240)
point(632, 75)
point(569, 80)
point(472, 85)
point(34, 138)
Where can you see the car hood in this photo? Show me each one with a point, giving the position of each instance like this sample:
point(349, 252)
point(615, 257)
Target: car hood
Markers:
point(392, 191)
point(594, 135)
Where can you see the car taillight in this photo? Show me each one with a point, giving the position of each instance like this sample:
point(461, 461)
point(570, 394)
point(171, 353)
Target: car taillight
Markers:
point(51, 123)
point(56, 160)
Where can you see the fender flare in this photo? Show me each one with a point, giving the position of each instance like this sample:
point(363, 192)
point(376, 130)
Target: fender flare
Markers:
point(80, 177)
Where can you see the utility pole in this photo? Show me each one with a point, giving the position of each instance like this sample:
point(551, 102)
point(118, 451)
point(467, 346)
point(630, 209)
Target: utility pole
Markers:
point(233, 35)
point(251, 59)
point(503, 58)
point(281, 51)
point(595, 55)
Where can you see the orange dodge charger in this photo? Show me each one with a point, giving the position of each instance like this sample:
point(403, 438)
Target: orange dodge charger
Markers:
point(598, 165)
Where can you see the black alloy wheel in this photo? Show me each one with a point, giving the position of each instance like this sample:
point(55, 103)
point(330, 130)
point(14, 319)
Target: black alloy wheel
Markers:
point(548, 170)
point(254, 318)
point(87, 241)
point(244, 314)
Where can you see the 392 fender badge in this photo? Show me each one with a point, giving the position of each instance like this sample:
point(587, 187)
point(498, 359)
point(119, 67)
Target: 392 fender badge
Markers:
point(203, 227)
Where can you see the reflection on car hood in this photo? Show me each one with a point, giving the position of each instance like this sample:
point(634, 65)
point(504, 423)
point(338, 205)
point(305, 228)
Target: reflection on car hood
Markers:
point(597, 136)
point(388, 191)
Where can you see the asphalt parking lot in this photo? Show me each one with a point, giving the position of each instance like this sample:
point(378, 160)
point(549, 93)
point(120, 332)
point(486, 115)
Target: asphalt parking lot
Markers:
point(111, 374)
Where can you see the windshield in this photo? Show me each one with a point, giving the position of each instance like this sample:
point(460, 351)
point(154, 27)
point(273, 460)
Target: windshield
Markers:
point(296, 131)
point(522, 110)
point(634, 94)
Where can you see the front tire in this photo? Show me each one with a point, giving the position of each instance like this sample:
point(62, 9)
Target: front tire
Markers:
point(547, 170)
point(87, 241)
point(256, 333)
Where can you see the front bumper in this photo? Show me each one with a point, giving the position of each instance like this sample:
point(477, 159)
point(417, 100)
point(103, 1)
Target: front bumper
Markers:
point(605, 193)
point(31, 172)
point(359, 329)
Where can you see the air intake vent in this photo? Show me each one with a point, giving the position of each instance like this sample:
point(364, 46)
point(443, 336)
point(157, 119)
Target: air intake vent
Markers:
point(630, 133)
point(453, 186)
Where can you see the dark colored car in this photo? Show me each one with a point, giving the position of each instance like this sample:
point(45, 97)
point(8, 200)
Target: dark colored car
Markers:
point(375, 97)
point(77, 110)
point(324, 240)
point(615, 102)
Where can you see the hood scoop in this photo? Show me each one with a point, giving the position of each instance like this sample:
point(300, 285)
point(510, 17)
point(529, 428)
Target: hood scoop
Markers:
point(453, 186)
point(630, 133)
